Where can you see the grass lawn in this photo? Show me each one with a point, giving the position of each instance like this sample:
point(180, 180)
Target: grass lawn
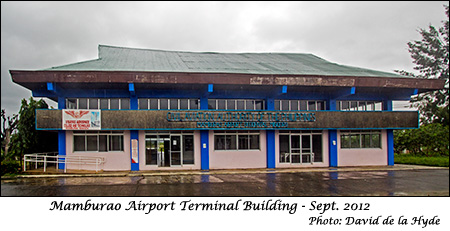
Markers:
point(438, 161)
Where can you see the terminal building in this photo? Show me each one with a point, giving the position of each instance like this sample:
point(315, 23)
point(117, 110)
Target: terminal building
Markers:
point(143, 109)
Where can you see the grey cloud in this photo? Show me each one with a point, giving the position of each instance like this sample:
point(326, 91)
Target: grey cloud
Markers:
point(37, 35)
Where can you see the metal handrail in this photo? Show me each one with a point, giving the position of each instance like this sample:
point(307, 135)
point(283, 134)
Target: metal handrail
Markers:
point(83, 160)
point(57, 159)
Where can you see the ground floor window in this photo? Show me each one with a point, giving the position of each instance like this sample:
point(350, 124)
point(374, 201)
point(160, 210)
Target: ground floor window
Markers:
point(361, 139)
point(169, 149)
point(97, 141)
point(298, 147)
point(236, 140)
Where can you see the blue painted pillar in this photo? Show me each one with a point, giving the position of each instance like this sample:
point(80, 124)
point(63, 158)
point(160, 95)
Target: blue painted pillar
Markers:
point(387, 106)
point(204, 134)
point(331, 105)
point(204, 141)
point(332, 138)
point(133, 102)
point(270, 138)
point(390, 146)
point(332, 147)
point(61, 135)
point(134, 134)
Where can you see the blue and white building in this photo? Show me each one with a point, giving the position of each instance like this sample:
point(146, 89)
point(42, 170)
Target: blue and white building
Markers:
point(142, 109)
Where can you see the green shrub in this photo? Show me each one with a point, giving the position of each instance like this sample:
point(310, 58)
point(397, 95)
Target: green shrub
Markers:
point(428, 140)
point(438, 161)
point(10, 166)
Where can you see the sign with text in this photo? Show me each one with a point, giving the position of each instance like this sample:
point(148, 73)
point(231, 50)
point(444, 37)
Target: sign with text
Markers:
point(134, 151)
point(223, 120)
point(81, 119)
point(241, 119)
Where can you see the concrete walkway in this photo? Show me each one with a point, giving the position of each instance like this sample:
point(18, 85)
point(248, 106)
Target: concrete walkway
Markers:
point(399, 180)
point(53, 172)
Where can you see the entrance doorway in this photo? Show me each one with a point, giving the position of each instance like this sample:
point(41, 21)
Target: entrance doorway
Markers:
point(300, 147)
point(157, 150)
point(168, 150)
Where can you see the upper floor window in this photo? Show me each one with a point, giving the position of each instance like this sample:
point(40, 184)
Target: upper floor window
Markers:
point(300, 105)
point(236, 104)
point(169, 104)
point(348, 105)
point(96, 103)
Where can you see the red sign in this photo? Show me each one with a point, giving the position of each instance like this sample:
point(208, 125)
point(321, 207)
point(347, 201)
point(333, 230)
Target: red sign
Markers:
point(81, 119)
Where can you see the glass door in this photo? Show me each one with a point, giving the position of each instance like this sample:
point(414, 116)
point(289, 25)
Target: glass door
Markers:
point(167, 150)
point(175, 150)
point(151, 150)
point(306, 148)
point(295, 149)
point(157, 150)
point(188, 149)
point(164, 151)
point(301, 149)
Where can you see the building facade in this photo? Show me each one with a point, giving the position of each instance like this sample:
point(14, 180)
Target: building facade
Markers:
point(142, 109)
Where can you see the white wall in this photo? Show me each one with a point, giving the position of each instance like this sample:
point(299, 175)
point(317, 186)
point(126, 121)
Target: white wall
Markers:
point(363, 156)
point(238, 159)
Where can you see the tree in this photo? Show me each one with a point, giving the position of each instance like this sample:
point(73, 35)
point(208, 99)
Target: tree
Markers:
point(431, 56)
point(9, 126)
point(28, 139)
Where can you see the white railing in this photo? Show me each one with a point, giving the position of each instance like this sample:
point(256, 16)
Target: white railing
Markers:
point(83, 160)
point(47, 158)
point(37, 158)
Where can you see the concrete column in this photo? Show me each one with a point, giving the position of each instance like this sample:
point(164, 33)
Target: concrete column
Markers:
point(61, 135)
point(270, 137)
point(332, 147)
point(134, 134)
point(204, 141)
point(204, 134)
point(387, 106)
point(332, 138)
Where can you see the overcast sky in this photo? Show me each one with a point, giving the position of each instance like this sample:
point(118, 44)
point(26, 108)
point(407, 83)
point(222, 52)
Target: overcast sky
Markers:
point(37, 35)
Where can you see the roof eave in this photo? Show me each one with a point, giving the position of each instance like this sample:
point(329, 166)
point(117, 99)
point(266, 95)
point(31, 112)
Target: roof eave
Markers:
point(20, 76)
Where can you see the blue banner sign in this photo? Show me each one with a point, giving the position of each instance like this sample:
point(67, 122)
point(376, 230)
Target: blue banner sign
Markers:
point(238, 119)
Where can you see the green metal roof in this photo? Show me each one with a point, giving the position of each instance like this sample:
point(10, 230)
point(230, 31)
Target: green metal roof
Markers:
point(147, 60)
